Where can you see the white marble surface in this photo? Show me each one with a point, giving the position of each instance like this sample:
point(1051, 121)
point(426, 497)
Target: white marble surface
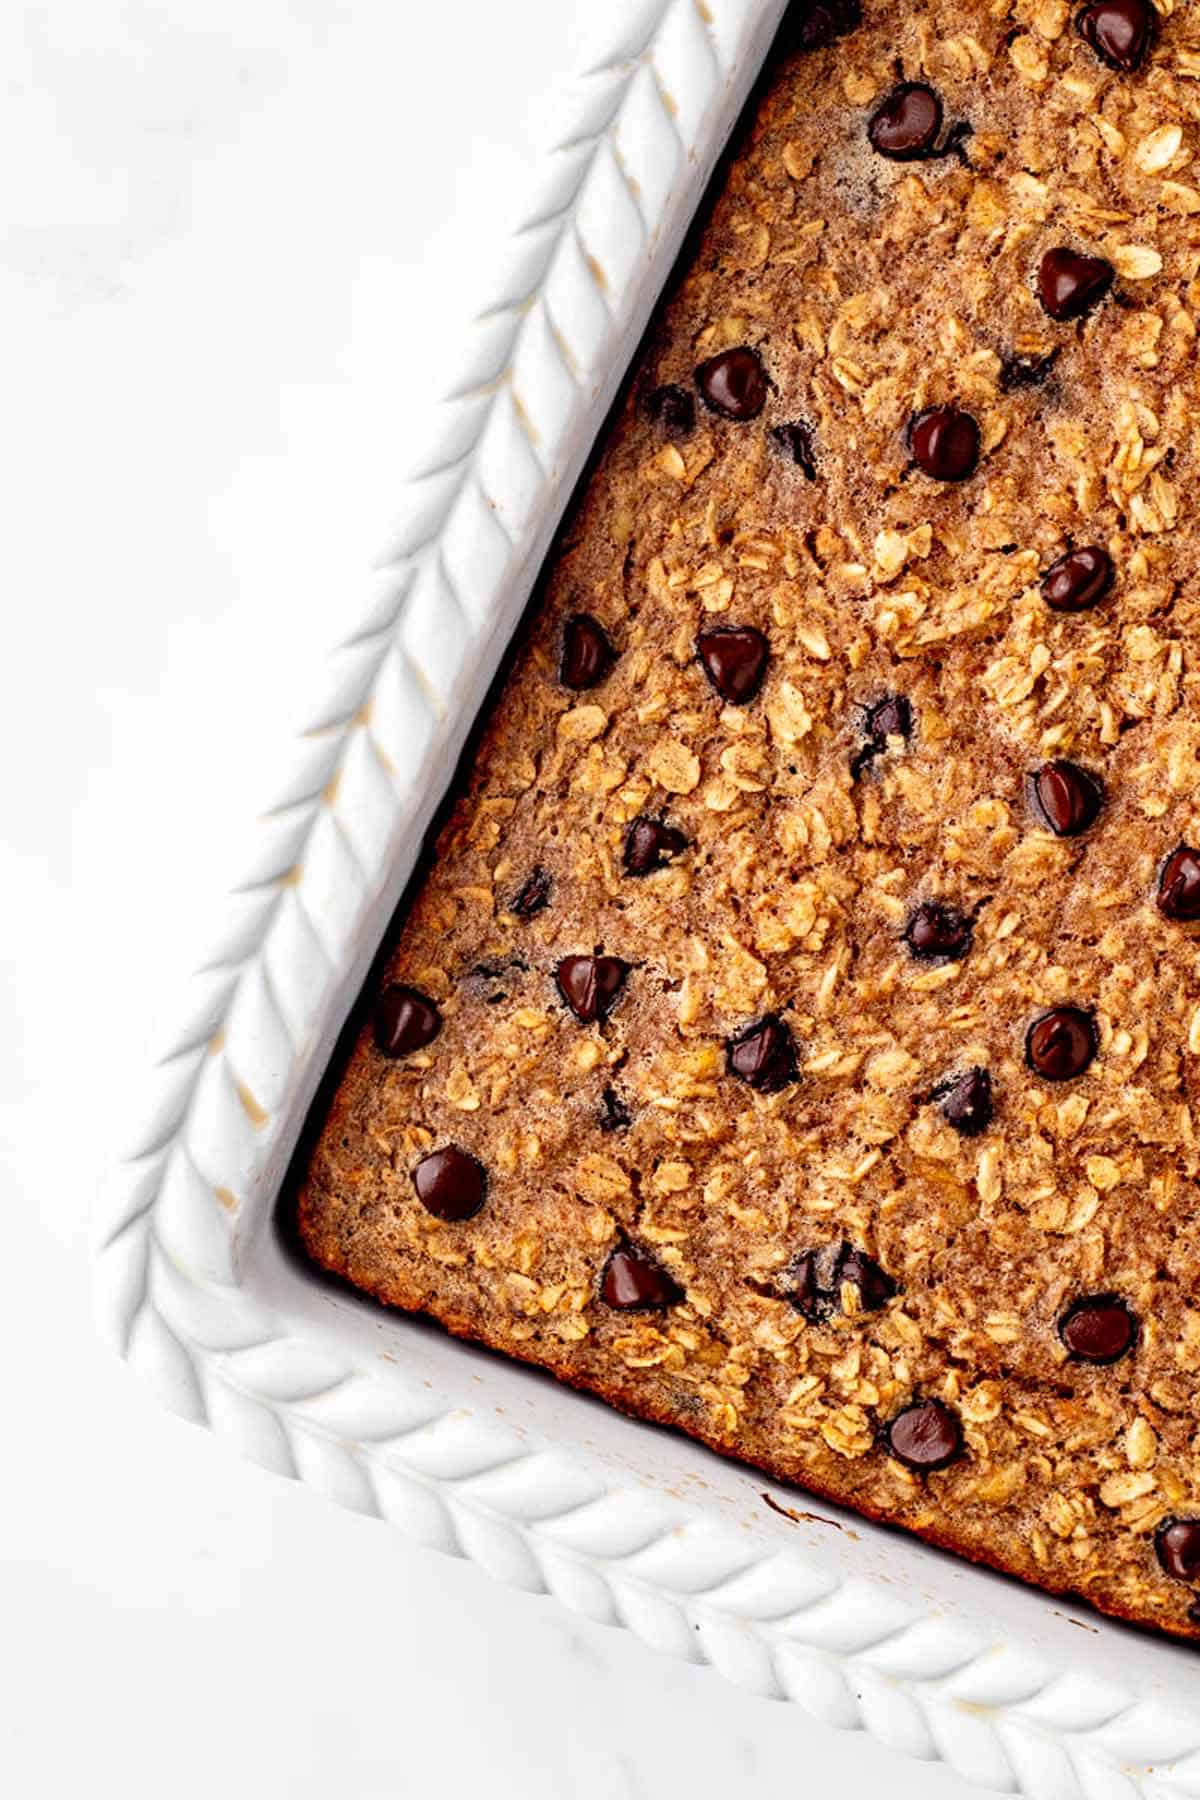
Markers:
point(233, 237)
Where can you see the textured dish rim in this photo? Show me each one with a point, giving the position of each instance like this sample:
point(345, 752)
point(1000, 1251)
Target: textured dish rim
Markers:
point(178, 1241)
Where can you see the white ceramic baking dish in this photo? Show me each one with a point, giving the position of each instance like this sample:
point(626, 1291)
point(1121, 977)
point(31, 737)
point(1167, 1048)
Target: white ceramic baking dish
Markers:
point(544, 1487)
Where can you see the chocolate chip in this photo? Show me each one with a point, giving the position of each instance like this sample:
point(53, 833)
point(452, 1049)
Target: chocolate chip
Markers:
point(858, 1270)
point(763, 1055)
point(1069, 284)
point(534, 895)
point(935, 929)
point(734, 383)
point(405, 1020)
point(614, 1114)
point(1098, 1329)
point(1078, 580)
point(814, 1281)
point(450, 1184)
point(650, 844)
point(1193, 1613)
point(1068, 798)
point(805, 1290)
point(906, 125)
point(945, 443)
point(1179, 885)
point(587, 654)
point(590, 985)
point(887, 718)
point(796, 441)
point(1119, 31)
point(734, 657)
point(925, 1436)
point(966, 1101)
point(815, 24)
point(1177, 1543)
point(1025, 371)
point(673, 408)
point(1061, 1043)
point(634, 1282)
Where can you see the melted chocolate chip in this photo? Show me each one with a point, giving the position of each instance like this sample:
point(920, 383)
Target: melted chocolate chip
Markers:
point(905, 126)
point(673, 408)
point(587, 654)
point(1067, 797)
point(450, 1184)
point(590, 985)
point(733, 384)
point(634, 1282)
point(763, 1055)
point(614, 1114)
point(938, 930)
point(1119, 31)
point(925, 1436)
point(890, 717)
point(805, 1291)
point(945, 443)
point(966, 1101)
point(405, 1020)
point(1069, 284)
point(1078, 580)
point(875, 1286)
point(734, 657)
point(815, 24)
point(534, 895)
point(1025, 371)
point(1061, 1043)
point(1179, 886)
point(815, 1280)
point(796, 441)
point(1177, 1544)
point(650, 844)
point(1098, 1329)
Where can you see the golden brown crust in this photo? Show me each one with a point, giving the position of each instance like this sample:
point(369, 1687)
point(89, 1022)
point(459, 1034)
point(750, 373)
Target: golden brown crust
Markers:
point(871, 290)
